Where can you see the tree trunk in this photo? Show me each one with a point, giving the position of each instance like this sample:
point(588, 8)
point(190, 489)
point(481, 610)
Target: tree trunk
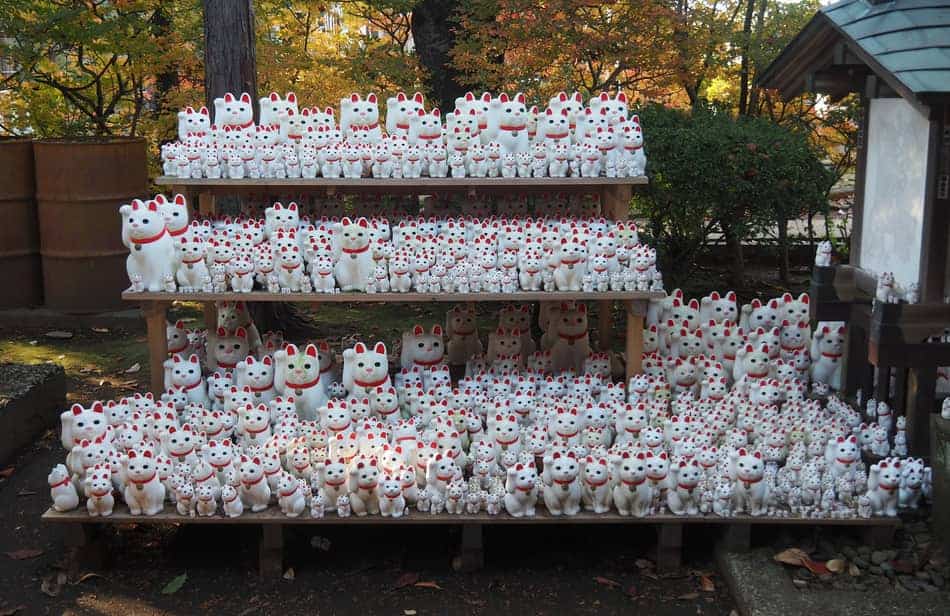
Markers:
point(744, 65)
point(783, 266)
point(231, 66)
point(230, 56)
point(759, 20)
point(737, 261)
point(433, 33)
point(167, 80)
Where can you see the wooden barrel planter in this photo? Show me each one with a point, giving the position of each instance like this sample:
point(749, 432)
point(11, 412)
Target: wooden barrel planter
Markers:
point(19, 233)
point(80, 185)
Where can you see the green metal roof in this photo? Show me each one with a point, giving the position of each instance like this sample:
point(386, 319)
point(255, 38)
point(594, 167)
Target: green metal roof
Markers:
point(905, 42)
point(909, 38)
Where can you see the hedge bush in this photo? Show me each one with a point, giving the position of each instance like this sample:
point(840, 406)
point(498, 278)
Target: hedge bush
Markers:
point(711, 172)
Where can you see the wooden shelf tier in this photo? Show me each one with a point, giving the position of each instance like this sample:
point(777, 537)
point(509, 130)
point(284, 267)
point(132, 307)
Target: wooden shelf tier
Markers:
point(614, 195)
point(273, 515)
point(395, 298)
point(82, 530)
point(419, 186)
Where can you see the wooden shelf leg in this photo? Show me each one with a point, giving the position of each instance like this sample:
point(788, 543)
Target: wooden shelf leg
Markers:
point(669, 547)
point(210, 310)
point(736, 537)
point(605, 324)
point(155, 324)
point(878, 537)
point(85, 547)
point(206, 204)
point(921, 385)
point(271, 551)
point(471, 555)
point(634, 344)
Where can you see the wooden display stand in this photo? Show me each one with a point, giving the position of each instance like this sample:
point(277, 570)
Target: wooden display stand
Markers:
point(615, 195)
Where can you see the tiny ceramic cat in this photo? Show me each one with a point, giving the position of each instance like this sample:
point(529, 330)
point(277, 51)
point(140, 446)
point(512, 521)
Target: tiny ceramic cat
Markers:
point(255, 491)
point(521, 490)
point(62, 491)
point(144, 493)
point(633, 494)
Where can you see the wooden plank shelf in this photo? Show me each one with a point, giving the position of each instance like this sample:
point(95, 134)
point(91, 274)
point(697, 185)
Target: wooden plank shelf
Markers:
point(273, 515)
point(393, 298)
point(419, 185)
point(83, 534)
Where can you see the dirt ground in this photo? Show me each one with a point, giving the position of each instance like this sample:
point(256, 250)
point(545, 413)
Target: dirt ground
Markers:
point(334, 570)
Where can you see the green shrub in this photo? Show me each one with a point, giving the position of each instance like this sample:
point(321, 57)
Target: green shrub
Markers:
point(711, 172)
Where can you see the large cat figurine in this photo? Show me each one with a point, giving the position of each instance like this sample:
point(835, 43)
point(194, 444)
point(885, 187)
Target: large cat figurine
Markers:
point(364, 370)
point(356, 260)
point(297, 375)
point(151, 261)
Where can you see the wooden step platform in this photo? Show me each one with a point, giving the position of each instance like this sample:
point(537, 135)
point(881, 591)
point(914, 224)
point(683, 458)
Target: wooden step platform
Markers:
point(83, 535)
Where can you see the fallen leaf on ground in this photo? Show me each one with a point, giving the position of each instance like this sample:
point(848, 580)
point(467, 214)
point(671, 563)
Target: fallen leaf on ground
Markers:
point(903, 566)
point(406, 579)
point(290, 574)
point(101, 330)
point(836, 565)
point(10, 611)
point(706, 583)
point(409, 612)
point(607, 581)
point(175, 584)
point(791, 556)
point(7, 472)
point(133, 368)
point(88, 576)
point(817, 568)
point(689, 596)
point(431, 585)
point(854, 570)
point(59, 334)
point(33, 342)
point(25, 554)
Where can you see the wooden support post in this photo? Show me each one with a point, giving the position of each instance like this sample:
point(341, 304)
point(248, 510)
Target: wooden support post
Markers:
point(882, 390)
point(921, 385)
point(900, 394)
point(605, 325)
point(206, 204)
point(669, 544)
point(855, 370)
point(271, 551)
point(878, 537)
point(210, 310)
point(84, 547)
point(155, 324)
point(736, 537)
point(634, 343)
point(471, 555)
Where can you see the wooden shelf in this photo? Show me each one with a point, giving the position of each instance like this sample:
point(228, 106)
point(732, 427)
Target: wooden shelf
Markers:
point(273, 515)
point(391, 298)
point(403, 185)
